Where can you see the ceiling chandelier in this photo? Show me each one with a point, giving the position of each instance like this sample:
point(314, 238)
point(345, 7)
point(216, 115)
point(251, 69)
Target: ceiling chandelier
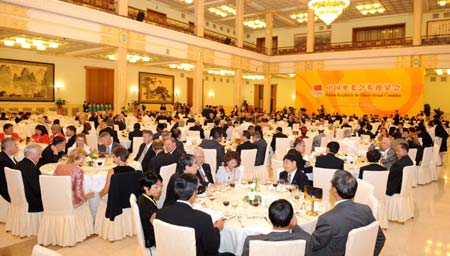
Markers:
point(328, 10)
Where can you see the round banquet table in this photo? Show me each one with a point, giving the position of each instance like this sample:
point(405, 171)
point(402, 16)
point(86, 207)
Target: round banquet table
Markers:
point(244, 219)
point(94, 178)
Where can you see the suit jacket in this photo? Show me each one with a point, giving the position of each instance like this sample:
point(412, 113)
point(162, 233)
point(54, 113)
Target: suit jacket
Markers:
point(330, 161)
point(213, 144)
point(389, 159)
point(70, 142)
point(394, 184)
point(207, 237)
point(330, 236)
point(180, 146)
point(30, 176)
point(261, 146)
point(299, 179)
point(112, 132)
point(177, 153)
point(276, 135)
point(198, 128)
point(244, 146)
point(5, 161)
point(370, 167)
point(122, 125)
point(295, 234)
point(155, 163)
point(49, 157)
point(207, 170)
point(102, 148)
point(298, 159)
point(317, 140)
point(148, 155)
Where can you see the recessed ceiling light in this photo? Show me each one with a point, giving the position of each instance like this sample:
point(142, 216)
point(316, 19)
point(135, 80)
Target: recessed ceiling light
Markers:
point(8, 43)
point(53, 45)
point(26, 45)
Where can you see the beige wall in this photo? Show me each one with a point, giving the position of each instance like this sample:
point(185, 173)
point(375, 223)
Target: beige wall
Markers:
point(436, 93)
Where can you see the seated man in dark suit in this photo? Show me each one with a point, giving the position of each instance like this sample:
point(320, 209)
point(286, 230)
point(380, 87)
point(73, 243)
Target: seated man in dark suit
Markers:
point(291, 174)
point(204, 170)
point(394, 184)
point(160, 159)
point(198, 127)
point(53, 152)
point(215, 144)
point(284, 226)
point(107, 145)
point(145, 152)
point(170, 146)
point(71, 134)
point(246, 143)
point(110, 129)
point(135, 133)
point(329, 160)
point(261, 146)
point(373, 156)
point(207, 234)
point(30, 176)
point(330, 236)
point(9, 148)
point(299, 148)
point(278, 134)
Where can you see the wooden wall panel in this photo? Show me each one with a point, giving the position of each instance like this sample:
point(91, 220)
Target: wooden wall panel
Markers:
point(99, 85)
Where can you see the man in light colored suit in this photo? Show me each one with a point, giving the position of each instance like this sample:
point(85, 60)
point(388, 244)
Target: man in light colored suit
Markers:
point(330, 236)
point(388, 156)
point(284, 222)
point(107, 145)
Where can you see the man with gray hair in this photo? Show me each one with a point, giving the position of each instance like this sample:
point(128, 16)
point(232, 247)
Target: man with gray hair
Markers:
point(30, 176)
point(204, 170)
point(9, 148)
point(107, 145)
point(388, 156)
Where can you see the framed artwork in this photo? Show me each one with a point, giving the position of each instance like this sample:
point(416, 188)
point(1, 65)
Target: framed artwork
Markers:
point(156, 88)
point(26, 81)
point(320, 38)
point(438, 27)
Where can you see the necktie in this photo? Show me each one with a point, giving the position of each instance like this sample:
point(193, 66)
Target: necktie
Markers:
point(290, 178)
point(109, 150)
point(143, 154)
point(200, 170)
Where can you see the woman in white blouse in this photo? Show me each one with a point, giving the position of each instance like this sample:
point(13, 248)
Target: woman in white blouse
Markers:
point(80, 142)
point(231, 171)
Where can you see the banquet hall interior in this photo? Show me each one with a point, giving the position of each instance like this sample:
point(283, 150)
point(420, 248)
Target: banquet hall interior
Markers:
point(65, 58)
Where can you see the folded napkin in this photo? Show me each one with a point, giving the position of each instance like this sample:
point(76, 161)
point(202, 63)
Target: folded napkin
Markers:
point(215, 215)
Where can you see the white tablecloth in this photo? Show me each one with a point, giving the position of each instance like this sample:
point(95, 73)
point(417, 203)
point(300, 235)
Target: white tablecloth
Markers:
point(246, 219)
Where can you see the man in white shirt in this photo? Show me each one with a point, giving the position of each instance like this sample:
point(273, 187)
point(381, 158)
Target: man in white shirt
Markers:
point(145, 152)
point(204, 170)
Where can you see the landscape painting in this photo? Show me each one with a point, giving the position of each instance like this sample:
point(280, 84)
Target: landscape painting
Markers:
point(156, 88)
point(26, 81)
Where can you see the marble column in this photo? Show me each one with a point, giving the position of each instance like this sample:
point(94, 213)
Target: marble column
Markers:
point(267, 92)
point(269, 28)
point(310, 31)
point(238, 83)
point(120, 74)
point(417, 22)
point(197, 88)
point(239, 23)
point(199, 13)
point(122, 8)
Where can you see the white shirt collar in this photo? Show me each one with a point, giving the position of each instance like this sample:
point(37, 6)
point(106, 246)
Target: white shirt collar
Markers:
point(280, 231)
point(184, 202)
point(340, 201)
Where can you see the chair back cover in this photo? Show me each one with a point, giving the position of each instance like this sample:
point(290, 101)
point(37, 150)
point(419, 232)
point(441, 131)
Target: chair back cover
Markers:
point(322, 179)
point(92, 141)
point(166, 243)
point(56, 193)
point(248, 158)
point(193, 134)
point(137, 141)
point(412, 152)
point(166, 172)
point(16, 189)
point(361, 241)
point(378, 179)
point(210, 158)
point(408, 171)
point(364, 192)
point(308, 145)
point(282, 146)
point(275, 248)
point(42, 251)
point(122, 185)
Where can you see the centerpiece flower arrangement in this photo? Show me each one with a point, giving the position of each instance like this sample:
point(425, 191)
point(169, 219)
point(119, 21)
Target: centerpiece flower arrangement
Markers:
point(254, 197)
point(90, 158)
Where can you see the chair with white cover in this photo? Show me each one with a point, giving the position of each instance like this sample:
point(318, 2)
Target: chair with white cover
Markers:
point(262, 171)
point(92, 141)
point(137, 141)
point(141, 250)
point(308, 145)
point(248, 158)
point(379, 181)
point(274, 248)
point(282, 146)
point(193, 134)
point(400, 207)
point(276, 164)
point(61, 223)
point(114, 218)
point(4, 206)
point(167, 245)
point(166, 172)
point(42, 251)
point(211, 158)
point(322, 179)
point(424, 170)
point(19, 221)
point(361, 241)
point(435, 159)
point(412, 152)
point(365, 195)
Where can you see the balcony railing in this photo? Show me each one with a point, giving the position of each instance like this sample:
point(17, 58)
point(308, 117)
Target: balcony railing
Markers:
point(110, 6)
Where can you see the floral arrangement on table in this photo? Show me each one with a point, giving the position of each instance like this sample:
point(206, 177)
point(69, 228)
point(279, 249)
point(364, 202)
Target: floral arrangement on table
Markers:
point(254, 197)
point(90, 158)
